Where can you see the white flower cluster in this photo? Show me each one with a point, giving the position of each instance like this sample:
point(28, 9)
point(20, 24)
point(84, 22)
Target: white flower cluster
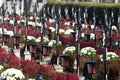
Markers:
point(92, 36)
point(69, 50)
point(10, 33)
point(68, 31)
point(61, 31)
point(29, 38)
point(53, 43)
point(82, 35)
point(1, 67)
point(67, 23)
point(12, 74)
point(84, 26)
point(31, 79)
point(45, 39)
point(88, 51)
point(110, 56)
point(30, 23)
point(92, 26)
point(6, 32)
point(51, 20)
point(52, 29)
point(114, 27)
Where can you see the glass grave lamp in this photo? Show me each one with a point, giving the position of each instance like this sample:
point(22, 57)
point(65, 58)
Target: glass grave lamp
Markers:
point(33, 49)
point(72, 34)
point(65, 60)
point(16, 40)
point(46, 50)
point(6, 38)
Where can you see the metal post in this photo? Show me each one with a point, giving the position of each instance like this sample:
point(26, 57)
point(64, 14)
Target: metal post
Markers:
point(94, 22)
point(106, 17)
point(78, 33)
point(57, 35)
point(66, 12)
point(42, 31)
point(14, 17)
point(104, 54)
point(26, 25)
point(3, 13)
point(110, 31)
point(119, 22)
point(20, 7)
point(85, 16)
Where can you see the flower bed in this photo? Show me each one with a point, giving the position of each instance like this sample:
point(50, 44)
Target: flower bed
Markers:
point(28, 69)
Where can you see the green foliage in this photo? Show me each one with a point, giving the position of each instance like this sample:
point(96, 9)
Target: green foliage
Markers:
point(84, 4)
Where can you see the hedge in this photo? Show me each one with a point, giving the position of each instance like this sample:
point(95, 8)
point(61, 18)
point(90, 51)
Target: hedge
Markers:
point(87, 4)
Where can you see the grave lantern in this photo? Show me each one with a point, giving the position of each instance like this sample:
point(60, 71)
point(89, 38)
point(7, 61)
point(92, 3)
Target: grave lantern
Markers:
point(6, 38)
point(46, 50)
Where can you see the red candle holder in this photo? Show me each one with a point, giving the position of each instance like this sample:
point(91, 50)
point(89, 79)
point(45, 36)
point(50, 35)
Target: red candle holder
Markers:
point(91, 66)
point(46, 50)
point(72, 34)
point(6, 38)
point(65, 60)
point(33, 48)
point(16, 40)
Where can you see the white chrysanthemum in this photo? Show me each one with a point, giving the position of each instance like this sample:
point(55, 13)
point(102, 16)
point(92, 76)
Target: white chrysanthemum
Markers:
point(6, 19)
point(82, 35)
point(92, 26)
point(23, 21)
point(89, 51)
point(61, 31)
point(51, 20)
point(84, 26)
point(18, 21)
point(46, 40)
point(110, 56)
point(33, 24)
point(12, 74)
point(69, 49)
point(10, 33)
point(1, 67)
point(52, 29)
point(68, 31)
point(0, 17)
point(11, 21)
point(30, 38)
point(38, 24)
point(114, 27)
point(31, 17)
point(92, 36)
point(52, 43)
point(67, 23)
point(31, 79)
point(30, 23)
point(5, 31)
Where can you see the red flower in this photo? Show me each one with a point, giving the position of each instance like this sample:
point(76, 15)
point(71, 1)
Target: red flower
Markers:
point(14, 61)
point(72, 76)
point(60, 77)
point(46, 69)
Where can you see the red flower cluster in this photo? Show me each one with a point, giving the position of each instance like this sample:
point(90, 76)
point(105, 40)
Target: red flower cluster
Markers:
point(45, 69)
point(68, 76)
point(9, 59)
